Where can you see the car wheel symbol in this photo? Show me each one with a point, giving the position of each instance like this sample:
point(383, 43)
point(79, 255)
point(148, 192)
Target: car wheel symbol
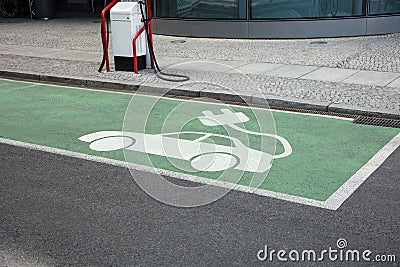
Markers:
point(112, 143)
point(214, 162)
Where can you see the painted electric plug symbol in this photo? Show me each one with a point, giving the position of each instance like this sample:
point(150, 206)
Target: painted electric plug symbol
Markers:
point(226, 118)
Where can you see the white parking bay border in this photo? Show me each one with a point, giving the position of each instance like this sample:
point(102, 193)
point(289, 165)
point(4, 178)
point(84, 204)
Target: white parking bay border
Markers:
point(332, 203)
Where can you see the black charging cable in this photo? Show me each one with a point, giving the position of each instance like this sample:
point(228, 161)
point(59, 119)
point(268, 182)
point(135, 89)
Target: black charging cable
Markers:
point(157, 70)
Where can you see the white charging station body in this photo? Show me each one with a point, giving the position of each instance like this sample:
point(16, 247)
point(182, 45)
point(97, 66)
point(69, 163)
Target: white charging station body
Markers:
point(126, 21)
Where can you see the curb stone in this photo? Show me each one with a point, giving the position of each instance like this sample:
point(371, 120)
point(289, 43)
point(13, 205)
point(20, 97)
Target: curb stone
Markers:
point(226, 96)
point(258, 99)
point(289, 102)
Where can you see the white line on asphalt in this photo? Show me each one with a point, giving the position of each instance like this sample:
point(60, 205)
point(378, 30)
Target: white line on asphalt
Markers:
point(351, 185)
point(242, 188)
point(24, 87)
point(332, 203)
point(21, 87)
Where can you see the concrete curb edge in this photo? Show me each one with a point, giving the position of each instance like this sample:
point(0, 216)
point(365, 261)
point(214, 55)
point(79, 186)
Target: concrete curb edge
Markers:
point(257, 99)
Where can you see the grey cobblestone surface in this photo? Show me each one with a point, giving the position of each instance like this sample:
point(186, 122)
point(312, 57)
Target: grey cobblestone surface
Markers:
point(79, 33)
point(379, 98)
point(379, 53)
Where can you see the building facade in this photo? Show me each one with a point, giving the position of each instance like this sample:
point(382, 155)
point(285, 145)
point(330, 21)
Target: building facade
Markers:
point(276, 18)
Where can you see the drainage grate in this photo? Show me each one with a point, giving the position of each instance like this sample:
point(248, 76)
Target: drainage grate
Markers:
point(377, 122)
point(310, 111)
point(394, 123)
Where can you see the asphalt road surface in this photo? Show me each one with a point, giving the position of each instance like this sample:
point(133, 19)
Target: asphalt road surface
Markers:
point(62, 211)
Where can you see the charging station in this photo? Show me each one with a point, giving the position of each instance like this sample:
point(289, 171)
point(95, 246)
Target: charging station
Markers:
point(132, 39)
point(131, 35)
point(126, 22)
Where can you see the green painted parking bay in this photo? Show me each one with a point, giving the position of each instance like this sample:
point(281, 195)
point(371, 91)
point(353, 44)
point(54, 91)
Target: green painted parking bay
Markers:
point(319, 155)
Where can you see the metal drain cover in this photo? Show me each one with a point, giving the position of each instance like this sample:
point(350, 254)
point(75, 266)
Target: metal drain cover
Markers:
point(319, 43)
point(178, 41)
point(377, 122)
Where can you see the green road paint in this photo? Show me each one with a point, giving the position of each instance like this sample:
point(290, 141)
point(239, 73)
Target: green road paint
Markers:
point(326, 151)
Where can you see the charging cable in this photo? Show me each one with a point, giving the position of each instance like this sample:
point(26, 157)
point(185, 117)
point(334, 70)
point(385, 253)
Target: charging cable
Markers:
point(157, 70)
point(230, 119)
point(284, 142)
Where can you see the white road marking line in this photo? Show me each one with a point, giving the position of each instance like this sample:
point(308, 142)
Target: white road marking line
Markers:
point(21, 87)
point(187, 100)
point(118, 163)
point(332, 203)
point(351, 185)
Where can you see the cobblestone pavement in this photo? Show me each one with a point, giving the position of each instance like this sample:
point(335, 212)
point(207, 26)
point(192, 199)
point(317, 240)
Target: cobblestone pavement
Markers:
point(79, 33)
point(362, 96)
point(380, 53)
point(377, 53)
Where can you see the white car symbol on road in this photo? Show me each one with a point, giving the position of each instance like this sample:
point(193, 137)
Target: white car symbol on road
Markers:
point(203, 155)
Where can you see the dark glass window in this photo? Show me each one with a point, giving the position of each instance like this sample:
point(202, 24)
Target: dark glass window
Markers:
point(201, 9)
point(377, 7)
point(292, 9)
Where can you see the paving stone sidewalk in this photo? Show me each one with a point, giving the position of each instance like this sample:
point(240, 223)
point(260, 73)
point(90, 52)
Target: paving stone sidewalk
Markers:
point(343, 74)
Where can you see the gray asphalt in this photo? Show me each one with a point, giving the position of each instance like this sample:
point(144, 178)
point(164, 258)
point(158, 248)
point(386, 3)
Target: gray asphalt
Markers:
point(62, 211)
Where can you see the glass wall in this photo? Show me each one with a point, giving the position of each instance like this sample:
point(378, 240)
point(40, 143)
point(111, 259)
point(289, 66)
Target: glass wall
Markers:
point(272, 9)
point(276, 18)
point(377, 7)
point(201, 9)
point(292, 9)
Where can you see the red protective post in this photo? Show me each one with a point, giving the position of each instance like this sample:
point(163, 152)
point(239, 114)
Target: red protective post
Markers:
point(104, 31)
point(135, 63)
